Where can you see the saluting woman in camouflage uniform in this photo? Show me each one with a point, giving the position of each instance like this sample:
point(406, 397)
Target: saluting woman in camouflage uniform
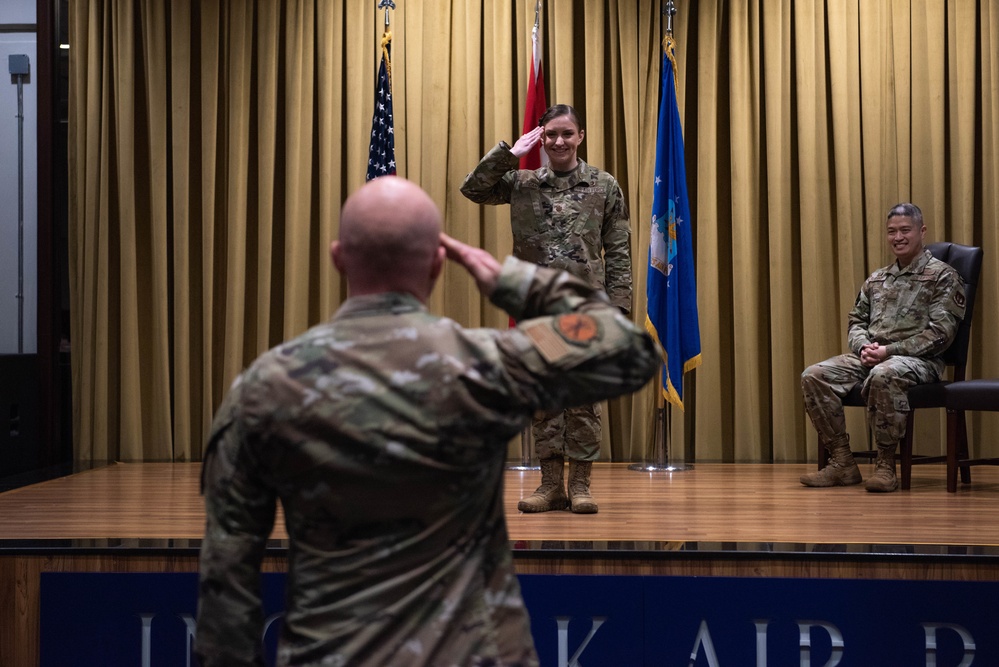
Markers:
point(572, 216)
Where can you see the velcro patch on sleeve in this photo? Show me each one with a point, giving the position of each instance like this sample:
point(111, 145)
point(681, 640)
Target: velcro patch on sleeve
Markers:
point(563, 336)
point(567, 339)
point(551, 346)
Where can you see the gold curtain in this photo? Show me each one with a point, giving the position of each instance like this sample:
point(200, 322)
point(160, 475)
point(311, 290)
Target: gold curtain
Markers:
point(211, 145)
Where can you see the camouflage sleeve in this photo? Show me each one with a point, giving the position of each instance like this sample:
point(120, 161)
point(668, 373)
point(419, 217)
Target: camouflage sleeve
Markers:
point(616, 237)
point(526, 290)
point(858, 322)
point(491, 182)
point(946, 311)
point(240, 515)
point(576, 347)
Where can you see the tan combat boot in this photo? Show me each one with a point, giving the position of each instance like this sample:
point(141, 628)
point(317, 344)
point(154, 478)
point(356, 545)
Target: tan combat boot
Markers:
point(579, 488)
point(551, 494)
point(884, 480)
point(841, 470)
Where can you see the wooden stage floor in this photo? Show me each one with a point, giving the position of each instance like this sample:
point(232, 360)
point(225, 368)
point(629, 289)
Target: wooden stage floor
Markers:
point(714, 520)
point(741, 504)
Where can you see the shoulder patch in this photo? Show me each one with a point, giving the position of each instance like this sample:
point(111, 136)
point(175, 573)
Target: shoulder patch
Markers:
point(578, 328)
point(959, 298)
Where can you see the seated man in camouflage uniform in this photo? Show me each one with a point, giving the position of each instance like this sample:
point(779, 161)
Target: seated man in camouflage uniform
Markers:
point(384, 433)
point(905, 316)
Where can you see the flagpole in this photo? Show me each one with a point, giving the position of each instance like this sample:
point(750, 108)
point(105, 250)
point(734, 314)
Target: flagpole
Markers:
point(526, 441)
point(663, 458)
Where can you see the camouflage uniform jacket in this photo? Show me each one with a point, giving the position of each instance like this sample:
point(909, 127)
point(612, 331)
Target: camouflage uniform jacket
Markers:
point(578, 222)
point(915, 311)
point(384, 433)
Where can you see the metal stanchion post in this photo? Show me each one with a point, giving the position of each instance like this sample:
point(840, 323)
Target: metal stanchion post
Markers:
point(20, 67)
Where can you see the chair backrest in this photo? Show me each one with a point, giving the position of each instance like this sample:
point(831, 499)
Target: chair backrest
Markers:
point(967, 261)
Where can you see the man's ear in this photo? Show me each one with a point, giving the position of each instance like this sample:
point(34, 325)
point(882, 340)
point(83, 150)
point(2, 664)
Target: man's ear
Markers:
point(336, 254)
point(437, 265)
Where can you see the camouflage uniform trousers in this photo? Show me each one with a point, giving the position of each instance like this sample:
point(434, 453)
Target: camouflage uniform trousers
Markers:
point(885, 389)
point(573, 433)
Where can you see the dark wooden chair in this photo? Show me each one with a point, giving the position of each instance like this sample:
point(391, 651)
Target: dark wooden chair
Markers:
point(962, 396)
point(967, 261)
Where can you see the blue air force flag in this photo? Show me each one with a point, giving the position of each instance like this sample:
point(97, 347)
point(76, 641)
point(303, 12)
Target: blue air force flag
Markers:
point(671, 290)
point(381, 150)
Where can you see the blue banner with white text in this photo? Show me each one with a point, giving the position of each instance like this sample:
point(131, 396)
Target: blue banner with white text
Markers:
point(147, 620)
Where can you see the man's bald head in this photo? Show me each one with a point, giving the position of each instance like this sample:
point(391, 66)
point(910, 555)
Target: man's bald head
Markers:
point(389, 239)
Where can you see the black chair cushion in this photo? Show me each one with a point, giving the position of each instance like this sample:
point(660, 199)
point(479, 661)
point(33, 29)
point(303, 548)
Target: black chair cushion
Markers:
point(973, 395)
point(920, 396)
point(854, 399)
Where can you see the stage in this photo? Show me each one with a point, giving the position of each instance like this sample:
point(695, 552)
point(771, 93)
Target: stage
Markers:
point(713, 520)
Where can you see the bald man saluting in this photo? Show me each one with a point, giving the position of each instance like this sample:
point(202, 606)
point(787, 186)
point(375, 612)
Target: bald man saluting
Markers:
point(384, 432)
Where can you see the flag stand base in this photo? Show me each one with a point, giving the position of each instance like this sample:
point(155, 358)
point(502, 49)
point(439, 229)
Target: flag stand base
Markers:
point(525, 453)
point(662, 461)
point(657, 467)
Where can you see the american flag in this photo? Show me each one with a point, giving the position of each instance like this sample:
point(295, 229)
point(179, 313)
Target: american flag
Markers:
point(381, 151)
point(535, 106)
